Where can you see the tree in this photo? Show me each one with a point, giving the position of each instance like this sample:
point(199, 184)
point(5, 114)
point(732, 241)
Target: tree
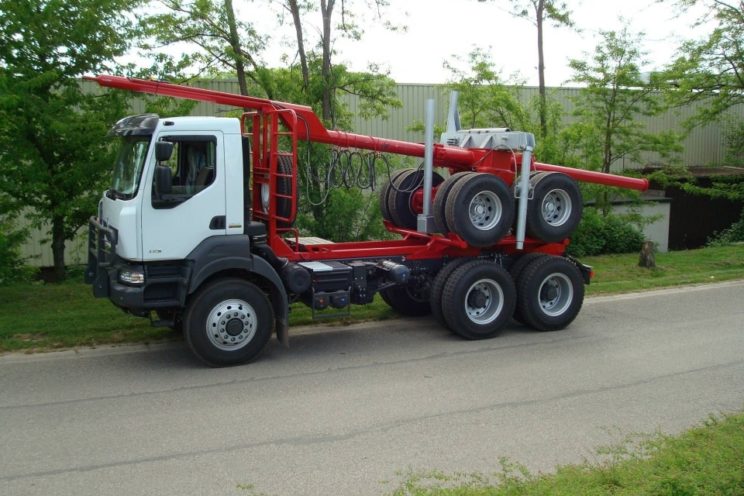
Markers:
point(347, 27)
point(613, 97)
point(712, 69)
point(220, 40)
point(53, 155)
point(538, 12)
point(484, 98)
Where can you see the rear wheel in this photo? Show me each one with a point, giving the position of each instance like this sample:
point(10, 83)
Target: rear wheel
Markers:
point(480, 209)
point(385, 193)
point(400, 198)
point(228, 322)
point(440, 201)
point(551, 293)
point(516, 271)
point(437, 287)
point(407, 300)
point(478, 299)
point(555, 209)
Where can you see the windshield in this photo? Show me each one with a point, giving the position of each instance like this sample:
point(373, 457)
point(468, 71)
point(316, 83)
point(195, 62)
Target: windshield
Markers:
point(129, 164)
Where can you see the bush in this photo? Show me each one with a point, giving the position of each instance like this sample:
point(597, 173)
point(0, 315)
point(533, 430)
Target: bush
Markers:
point(599, 235)
point(734, 234)
point(12, 267)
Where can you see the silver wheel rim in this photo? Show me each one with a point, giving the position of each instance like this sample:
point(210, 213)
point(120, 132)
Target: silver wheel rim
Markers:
point(484, 210)
point(555, 294)
point(556, 207)
point(484, 301)
point(231, 325)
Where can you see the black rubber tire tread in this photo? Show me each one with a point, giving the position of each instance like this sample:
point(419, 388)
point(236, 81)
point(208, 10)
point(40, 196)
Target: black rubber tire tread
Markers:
point(457, 209)
point(437, 287)
point(401, 300)
point(202, 303)
point(385, 193)
point(440, 201)
point(516, 272)
point(529, 298)
point(455, 292)
point(536, 225)
point(399, 199)
point(284, 187)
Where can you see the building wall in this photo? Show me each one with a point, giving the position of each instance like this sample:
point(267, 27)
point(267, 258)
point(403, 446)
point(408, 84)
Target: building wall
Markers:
point(659, 212)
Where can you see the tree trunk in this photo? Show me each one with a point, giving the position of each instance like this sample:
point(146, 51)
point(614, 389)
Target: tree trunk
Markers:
point(542, 105)
point(326, 9)
point(235, 45)
point(295, 10)
point(58, 247)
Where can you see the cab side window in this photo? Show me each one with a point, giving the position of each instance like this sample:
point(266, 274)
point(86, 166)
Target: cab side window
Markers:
point(192, 165)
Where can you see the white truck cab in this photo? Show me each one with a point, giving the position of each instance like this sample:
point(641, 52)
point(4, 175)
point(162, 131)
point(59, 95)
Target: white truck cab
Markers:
point(175, 215)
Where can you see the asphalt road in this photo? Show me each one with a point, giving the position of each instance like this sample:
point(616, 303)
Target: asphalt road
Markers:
point(348, 410)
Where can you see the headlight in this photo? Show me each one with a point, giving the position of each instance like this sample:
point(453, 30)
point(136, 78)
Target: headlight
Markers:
point(132, 276)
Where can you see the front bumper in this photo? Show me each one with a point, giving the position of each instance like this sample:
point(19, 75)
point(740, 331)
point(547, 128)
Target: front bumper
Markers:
point(165, 284)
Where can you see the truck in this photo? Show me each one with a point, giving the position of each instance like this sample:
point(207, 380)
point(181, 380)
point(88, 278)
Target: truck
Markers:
point(197, 229)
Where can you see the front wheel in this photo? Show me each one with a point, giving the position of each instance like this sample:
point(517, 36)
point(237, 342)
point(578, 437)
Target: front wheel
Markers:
point(228, 322)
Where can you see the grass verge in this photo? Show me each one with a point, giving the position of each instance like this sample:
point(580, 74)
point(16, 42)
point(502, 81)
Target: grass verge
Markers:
point(37, 316)
point(706, 460)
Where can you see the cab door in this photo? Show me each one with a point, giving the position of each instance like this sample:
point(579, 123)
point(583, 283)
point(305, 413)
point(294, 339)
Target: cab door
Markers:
point(194, 209)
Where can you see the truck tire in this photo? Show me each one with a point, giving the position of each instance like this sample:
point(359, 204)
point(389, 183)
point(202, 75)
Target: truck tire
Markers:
point(480, 209)
point(478, 299)
point(437, 287)
point(406, 302)
point(284, 187)
point(385, 193)
point(228, 322)
point(440, 201)
point(555, 209)
point(399, 200)
point(516, 271)
point(550, 293)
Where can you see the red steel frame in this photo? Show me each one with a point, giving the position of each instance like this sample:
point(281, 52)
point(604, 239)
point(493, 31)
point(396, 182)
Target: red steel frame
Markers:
point(269, 121)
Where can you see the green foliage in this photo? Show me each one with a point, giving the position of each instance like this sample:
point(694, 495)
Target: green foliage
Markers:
point(53, 157)
point(705, 460)
point(485, 100)
point(734, 234)
point(345, 215)
point(723, 187)
point(613, 96)
point(217, 40)
point(710, 70)
point(12, 267)
point(734, 135)
point(376, 91)
point(598, 234)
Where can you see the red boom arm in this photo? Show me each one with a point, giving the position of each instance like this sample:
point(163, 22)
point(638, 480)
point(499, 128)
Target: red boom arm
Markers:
point(311, 128)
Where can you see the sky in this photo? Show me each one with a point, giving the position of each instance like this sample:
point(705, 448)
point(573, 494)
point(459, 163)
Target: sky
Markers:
point(437, 30)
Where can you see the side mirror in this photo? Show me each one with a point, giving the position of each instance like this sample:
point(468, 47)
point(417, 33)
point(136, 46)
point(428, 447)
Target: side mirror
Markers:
point(163, 178)
point(163, 150)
